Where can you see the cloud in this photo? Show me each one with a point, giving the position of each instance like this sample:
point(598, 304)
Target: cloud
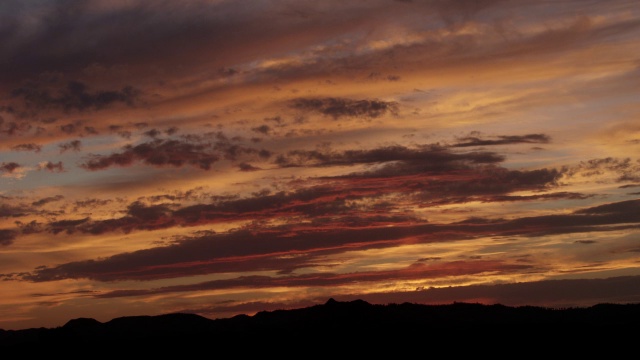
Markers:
point(50, 166)
point(263, 129)
point(548, 293)
point(67, 226)
point(47, 200)
point(69, 128)
point(328, 279)
point(421, 158)
point(157, 153)
point(7, 211)
point(75, 96)
point(289, 247)
point(247, 167)
point(175, 153)
point(420, 176)
point(343, 107)
point(503, 140)
point(153, 133)
point(27, 147)
point(71, 145)
point(624, 168)
point(7, 236)
point(9, 167)
point(12, 128)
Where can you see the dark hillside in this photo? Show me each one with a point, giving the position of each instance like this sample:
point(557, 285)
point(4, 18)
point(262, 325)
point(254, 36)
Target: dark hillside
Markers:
point(335, 319)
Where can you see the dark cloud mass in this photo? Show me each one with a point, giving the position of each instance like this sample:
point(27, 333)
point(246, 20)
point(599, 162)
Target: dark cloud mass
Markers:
point(175, 153)
point(27, 147)
point(503, 140)
point(9, 167)
point(76, 96)
point(7, 236)
point(47, 200)
point(7, 211)
point(426, 157)
point(157, 153)
point(342, 107)
point(71, 145)
point(52, 167)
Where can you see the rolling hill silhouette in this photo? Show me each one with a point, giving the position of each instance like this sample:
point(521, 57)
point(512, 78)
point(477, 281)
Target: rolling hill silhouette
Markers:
point(339, 319)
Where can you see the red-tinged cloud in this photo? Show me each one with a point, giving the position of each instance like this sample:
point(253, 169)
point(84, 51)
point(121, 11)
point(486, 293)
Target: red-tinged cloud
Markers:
point(414, 272)
point(343, 107)
point(335, 198)
point(287, 248)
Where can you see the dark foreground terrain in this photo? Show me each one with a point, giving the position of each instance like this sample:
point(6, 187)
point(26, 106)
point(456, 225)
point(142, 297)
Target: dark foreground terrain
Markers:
point(332, 320)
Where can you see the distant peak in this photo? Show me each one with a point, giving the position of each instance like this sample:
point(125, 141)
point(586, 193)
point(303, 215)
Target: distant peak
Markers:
point(81, 323)
point(331, 301)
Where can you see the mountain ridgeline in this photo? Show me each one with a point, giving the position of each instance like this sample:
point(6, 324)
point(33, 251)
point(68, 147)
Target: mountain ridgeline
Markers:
point(333, 317)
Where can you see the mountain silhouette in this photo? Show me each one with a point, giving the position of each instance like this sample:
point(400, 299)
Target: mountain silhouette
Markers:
point(333, 318)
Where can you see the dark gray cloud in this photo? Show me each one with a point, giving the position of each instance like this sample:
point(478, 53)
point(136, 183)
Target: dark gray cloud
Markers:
point(75, 34)
point(53, 167)
point(7, 211)
point(9, 167)
point(195, 151)
point(91, 203)
point(27, 147)
point(247, 167)
point(153, 133)
point(263, 129)
point(90, 130)
point(75, 96)
point(67, 226)
point(69, 128)
point(71, 145)
point(426, 157)
point(343, 107)
point(626, 169)
point(47, 200)
point(7, 236)
point(12, 128)
point(157, 153)
point(503, 140)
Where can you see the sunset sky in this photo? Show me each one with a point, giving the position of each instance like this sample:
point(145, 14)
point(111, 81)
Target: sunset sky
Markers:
point(228, 157)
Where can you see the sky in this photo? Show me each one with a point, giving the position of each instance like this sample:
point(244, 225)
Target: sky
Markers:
point(230, 157)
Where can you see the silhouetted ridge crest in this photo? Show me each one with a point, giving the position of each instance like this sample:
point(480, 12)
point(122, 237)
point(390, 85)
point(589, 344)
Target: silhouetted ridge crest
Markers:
point(333, 318)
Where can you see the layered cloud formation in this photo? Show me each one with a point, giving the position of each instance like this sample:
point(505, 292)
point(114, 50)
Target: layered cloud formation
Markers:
point(219, 158)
